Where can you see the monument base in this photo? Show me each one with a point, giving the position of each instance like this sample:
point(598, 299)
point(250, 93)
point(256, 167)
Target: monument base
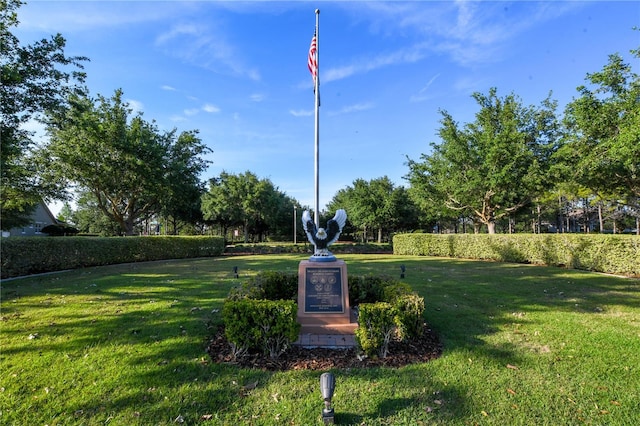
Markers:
point(323, 298)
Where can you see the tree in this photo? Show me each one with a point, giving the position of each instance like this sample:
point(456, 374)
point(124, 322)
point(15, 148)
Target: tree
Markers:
point(126, 164)
point(244, 200)
point(222, 203)
point(494, 166)
point(34, 79)
point(66, 213)
point(602, 147)
point(88, 218)
point(182, 195)
point(376, 204)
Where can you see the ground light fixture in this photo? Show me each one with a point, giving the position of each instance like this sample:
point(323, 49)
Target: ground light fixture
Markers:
point(327, 386)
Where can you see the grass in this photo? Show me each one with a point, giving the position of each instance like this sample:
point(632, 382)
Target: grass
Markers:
point(125, 345)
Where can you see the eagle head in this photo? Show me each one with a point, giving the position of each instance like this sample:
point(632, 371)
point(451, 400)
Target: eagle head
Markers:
point(322, 234)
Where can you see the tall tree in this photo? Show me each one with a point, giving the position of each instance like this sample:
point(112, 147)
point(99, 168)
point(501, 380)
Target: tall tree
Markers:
point(494, 166)
point(602, 149)
point(244, 200)
point(221, 205)
point(376, 205)
point(182, 195)
point(127, 164)
point(90, 219)
point(35, 78)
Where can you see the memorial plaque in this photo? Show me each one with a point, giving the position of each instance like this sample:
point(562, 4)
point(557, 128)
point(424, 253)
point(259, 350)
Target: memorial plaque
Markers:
point(323, 298)
point(323, 291)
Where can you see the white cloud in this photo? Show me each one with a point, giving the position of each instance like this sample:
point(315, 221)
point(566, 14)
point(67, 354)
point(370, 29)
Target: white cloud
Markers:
point(470, 32)
point(364, 65)
point(468, 85)
point(422, 93)
point(258, 97)
point(50, 16)
point(177, 118)
point(136, 106)
point(353, 108)
point(168, 88)
point(206, 47)
point(301, 112)
point(191, 111)
point(210, 108)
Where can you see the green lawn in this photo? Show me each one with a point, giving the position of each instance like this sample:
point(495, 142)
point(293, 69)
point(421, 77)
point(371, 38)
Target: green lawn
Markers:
point(125, 345)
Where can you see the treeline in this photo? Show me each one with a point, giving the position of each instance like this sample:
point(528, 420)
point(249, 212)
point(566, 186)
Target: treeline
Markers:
point(579, 171)
point(515, 168)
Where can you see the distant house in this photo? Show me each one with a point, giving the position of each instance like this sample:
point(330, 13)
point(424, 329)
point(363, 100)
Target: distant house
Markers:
point(40, 218)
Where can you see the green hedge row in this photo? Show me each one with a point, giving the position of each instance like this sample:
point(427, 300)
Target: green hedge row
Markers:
point(306, 248)
point(31, 255)
point(616, 254)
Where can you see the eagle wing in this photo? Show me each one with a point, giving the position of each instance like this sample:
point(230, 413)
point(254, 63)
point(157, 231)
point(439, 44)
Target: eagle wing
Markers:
point(309, 227)
point(335, 225)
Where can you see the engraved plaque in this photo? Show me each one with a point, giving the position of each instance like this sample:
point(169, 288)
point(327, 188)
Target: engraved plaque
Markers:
point(323, 290)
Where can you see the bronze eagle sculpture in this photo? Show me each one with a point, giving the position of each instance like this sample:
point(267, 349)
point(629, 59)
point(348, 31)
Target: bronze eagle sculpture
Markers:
point(322, 238)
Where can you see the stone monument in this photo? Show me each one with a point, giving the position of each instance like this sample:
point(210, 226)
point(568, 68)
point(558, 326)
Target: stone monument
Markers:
point(323, 292)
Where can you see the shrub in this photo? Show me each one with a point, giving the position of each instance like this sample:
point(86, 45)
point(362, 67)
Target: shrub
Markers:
point(388, 309)
point(616, 254)
point(277, 285)
point(305, 248)
point(376, 327)
point(246, 290)
point(409, 315)
point(31, 255)
point(368, 288)
point(395, 290)
point(58, 230)
point(266, 325)
point(270, 285)
point(239, 326)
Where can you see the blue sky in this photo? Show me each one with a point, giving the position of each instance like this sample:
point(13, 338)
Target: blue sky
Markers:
point(237, 72)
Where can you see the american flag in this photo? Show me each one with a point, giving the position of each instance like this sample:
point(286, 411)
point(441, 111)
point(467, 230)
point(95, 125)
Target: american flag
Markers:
point(312, 62)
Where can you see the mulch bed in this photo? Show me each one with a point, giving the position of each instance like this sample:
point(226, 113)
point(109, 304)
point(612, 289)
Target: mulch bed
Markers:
point(426, 348)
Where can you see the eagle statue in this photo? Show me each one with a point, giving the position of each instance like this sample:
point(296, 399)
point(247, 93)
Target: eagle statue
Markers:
point(322, 238)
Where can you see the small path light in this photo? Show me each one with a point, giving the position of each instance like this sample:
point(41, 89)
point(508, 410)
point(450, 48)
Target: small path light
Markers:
point(327, 386)
point(402, 269)
point(235, 271)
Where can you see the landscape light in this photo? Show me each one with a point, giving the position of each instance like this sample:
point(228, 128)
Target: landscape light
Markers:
point(327, 386)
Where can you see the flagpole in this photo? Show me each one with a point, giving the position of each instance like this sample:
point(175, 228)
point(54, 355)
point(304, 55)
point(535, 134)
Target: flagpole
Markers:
point(317, 125)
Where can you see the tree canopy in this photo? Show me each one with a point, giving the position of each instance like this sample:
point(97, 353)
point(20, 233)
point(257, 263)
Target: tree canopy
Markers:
point(35, 78)
point(131, 168)
point(376, 205)
point(602, 145)
point(494, 166)
point(245, 201)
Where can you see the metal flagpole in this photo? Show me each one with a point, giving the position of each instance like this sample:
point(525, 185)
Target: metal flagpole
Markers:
point(317, 125)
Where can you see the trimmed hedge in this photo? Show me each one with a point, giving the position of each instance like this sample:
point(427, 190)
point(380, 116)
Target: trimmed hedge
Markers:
point(306, 248)
point(266, 325)
point(388, 310)
point(279, 285)
point(615, 254)
point(270, 285)
point(32, 255)
point(376, 328)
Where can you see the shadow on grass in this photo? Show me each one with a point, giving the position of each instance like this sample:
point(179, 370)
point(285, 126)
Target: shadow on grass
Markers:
point(161, 313)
